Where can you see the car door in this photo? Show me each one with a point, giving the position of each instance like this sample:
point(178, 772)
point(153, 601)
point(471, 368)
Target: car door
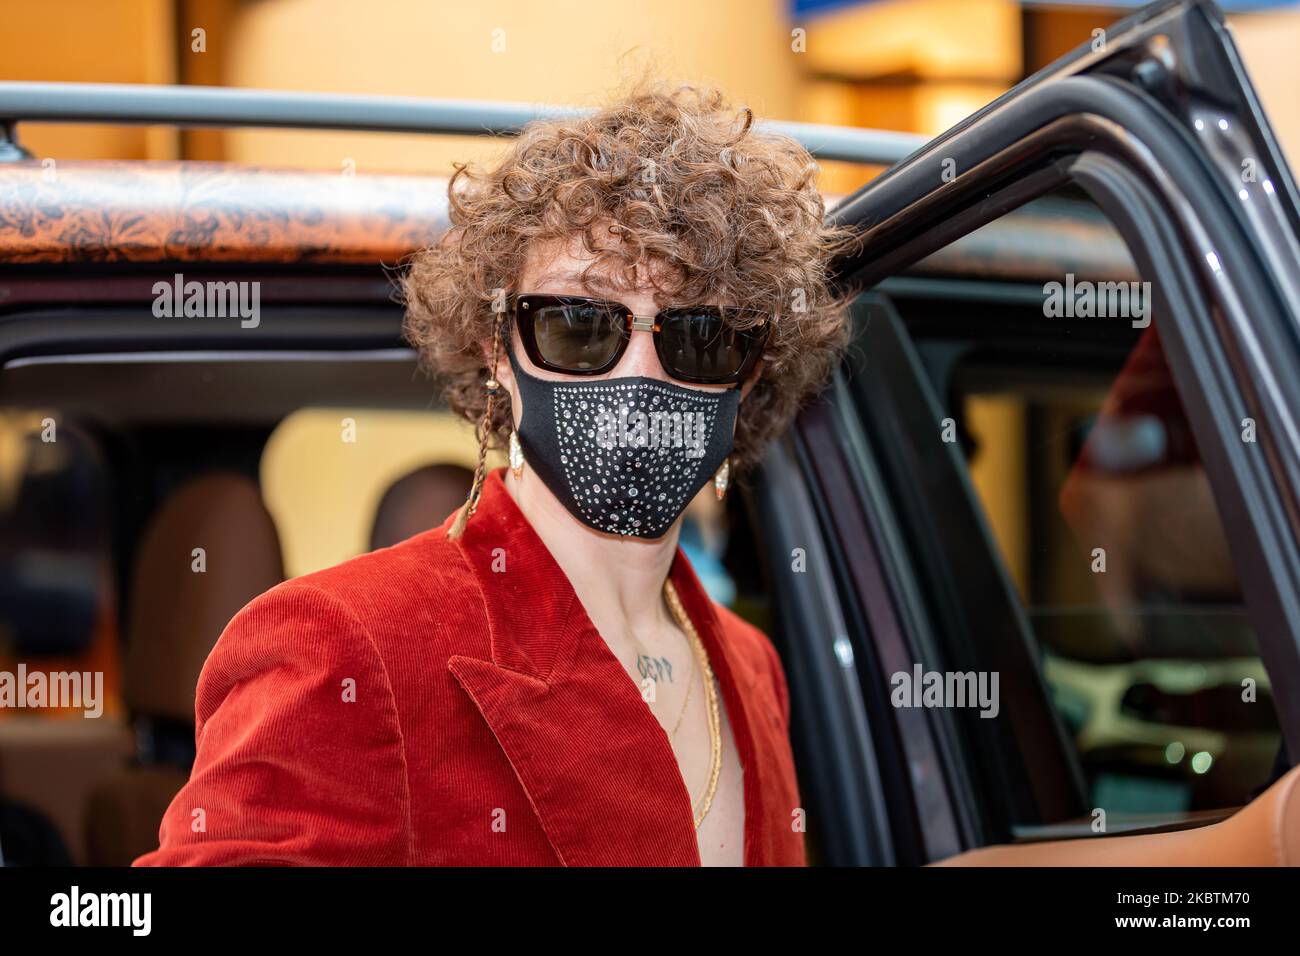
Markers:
point(1154, 124)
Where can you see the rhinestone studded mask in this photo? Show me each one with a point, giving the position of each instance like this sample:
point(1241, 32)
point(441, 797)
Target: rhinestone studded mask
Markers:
point(624, 455)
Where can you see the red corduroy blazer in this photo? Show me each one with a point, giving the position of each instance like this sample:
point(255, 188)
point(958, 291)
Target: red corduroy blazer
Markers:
point(450, 703)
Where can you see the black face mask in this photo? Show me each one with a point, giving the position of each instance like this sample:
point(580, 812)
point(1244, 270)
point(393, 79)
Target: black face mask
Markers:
point(624, 455)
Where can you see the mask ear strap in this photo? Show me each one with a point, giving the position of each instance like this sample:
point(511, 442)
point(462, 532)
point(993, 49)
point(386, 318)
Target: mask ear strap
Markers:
point(493, 389)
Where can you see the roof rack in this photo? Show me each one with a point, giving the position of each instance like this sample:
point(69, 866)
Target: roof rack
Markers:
point(211, 106)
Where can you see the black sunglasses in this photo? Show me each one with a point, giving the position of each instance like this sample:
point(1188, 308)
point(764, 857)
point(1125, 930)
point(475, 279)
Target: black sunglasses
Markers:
point(575, 335)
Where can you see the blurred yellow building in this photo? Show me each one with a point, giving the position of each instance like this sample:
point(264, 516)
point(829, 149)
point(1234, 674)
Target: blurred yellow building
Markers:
point(915, 65)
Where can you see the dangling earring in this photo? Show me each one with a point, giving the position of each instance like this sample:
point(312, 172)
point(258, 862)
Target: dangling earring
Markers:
point(720, 478)
point(516, 455)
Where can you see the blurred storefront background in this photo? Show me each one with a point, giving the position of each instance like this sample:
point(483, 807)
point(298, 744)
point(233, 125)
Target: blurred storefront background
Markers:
point(914, 65)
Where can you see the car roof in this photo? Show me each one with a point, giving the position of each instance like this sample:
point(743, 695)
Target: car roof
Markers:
point(98, 212)
point(142, 211)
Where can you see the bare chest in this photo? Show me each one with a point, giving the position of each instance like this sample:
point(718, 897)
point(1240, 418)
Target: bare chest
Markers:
point(675, 692)
point(721, 834)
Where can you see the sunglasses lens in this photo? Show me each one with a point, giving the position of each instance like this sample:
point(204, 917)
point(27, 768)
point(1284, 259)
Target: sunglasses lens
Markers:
point(699, 346)
point(577, 337)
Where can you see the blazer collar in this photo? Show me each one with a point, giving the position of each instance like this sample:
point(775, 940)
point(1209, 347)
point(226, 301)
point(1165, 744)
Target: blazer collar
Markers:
point(596, 764)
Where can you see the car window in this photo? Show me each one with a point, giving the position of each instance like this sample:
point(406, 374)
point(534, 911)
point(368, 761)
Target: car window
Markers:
point(341, 480)
point(1086, 469)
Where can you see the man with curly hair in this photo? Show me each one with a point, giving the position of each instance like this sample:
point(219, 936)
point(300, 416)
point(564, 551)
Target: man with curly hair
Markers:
point(632, 302)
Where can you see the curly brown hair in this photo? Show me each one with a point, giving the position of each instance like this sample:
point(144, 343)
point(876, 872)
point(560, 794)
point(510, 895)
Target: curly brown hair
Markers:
point(683, 182)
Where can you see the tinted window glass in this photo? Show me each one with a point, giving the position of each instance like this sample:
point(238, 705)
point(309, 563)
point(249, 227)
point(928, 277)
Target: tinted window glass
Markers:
point(1085, 466)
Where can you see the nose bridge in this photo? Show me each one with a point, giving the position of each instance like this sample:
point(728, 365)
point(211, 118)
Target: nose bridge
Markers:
point(641, 357)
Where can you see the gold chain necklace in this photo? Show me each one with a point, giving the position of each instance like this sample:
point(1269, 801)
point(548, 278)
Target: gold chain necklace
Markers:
point(715, 722)
point(686, 703)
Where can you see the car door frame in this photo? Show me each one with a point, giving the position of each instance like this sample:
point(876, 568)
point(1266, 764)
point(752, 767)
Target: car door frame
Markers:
point(1123, 123)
